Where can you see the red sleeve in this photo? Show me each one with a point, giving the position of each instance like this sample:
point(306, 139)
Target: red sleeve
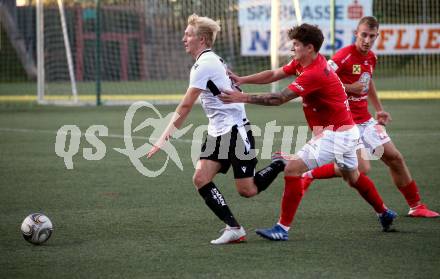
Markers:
point(291, 68)
point(305, 84)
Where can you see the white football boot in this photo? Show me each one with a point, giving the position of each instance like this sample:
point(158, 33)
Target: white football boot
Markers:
point(231, 235)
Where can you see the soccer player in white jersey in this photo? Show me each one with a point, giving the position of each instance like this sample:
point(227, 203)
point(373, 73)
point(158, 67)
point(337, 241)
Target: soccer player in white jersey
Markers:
point(229, 141)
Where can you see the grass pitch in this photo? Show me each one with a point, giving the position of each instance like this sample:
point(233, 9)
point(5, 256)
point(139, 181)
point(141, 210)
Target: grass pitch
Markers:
point(112, 222)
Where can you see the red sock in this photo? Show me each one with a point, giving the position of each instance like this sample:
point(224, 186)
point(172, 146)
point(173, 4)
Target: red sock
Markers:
point(411, 194)
point(324, 172)
point(368, 191)
point(306, 181)
point(293, 192)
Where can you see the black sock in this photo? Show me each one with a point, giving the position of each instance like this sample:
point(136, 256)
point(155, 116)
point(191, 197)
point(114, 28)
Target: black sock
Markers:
point(266, 176)
point(217, 203)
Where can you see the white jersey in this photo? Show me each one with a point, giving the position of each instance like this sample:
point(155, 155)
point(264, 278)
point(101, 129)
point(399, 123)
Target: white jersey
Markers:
point(209, 66)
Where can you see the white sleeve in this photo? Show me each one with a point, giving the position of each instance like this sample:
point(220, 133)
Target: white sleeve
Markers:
point(206, 71)
point(200, 74)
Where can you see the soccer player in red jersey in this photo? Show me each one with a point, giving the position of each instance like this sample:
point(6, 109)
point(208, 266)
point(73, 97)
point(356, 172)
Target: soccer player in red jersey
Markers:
point(354, 65)
point(327, 113)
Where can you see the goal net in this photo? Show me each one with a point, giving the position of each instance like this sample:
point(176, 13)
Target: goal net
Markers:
point(132, 50)
point(140, 54)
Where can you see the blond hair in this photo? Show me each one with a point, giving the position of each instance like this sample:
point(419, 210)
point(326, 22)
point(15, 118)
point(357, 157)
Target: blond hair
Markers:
point(205, 27)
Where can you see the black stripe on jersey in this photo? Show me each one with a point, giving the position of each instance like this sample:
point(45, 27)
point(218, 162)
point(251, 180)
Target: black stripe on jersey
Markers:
point(213, 88)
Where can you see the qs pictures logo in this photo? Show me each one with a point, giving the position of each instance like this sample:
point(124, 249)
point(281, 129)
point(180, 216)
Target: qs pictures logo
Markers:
point(67, 150)
point(159, 125)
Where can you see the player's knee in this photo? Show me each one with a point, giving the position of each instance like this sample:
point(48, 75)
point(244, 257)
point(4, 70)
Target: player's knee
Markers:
point(364, 168)
point(292, 170)
point(246, 187)
point(247, 192)
point(351, 182)
point(351, 177)
point(200, 180)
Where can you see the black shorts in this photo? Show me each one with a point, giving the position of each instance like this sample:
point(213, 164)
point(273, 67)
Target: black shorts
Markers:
point(231, 149)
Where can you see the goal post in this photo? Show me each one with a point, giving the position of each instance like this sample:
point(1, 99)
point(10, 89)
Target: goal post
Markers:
point(141, 54)
point(41, 79)
point(40, 51)
point(274, 39)
point(68, 51)
point(275, 22)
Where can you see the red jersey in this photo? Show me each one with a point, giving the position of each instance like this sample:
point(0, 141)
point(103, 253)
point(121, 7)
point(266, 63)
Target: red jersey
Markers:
point(352, 66)
point(324, 100)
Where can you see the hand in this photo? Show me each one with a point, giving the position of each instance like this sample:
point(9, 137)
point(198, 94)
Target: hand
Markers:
point(235, 78)
point(232, 96)
point(157, 146)
point(356, 87)
point(153, 151)
point(383, 117)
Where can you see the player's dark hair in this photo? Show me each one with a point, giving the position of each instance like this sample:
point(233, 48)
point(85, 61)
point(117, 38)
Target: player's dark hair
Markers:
point(307, 34)
point(370, 21)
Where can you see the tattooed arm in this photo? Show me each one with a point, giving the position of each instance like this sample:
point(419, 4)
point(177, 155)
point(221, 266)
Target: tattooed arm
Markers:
point(268, 99)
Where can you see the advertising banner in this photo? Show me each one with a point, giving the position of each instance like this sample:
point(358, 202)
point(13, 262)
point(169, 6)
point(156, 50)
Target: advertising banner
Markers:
point(394, 39)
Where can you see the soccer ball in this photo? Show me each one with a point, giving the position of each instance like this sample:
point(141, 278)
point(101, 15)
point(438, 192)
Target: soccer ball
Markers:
point(36, 228)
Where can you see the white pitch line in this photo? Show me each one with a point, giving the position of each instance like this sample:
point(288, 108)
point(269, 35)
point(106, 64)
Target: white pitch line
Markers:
point(116, 136)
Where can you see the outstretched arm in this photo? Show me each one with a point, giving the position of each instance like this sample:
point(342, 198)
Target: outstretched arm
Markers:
point(181, 113)
point(263, 77)
point(382, 116)
point(269, 99)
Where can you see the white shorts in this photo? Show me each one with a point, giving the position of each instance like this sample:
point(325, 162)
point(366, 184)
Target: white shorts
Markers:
point(331, 146)
point(373, 137)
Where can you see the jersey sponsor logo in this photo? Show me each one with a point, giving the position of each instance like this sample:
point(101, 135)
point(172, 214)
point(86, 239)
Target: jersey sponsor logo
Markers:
point(356, 69)
point(136, 154)
point(365, 80)
point(357, 99)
